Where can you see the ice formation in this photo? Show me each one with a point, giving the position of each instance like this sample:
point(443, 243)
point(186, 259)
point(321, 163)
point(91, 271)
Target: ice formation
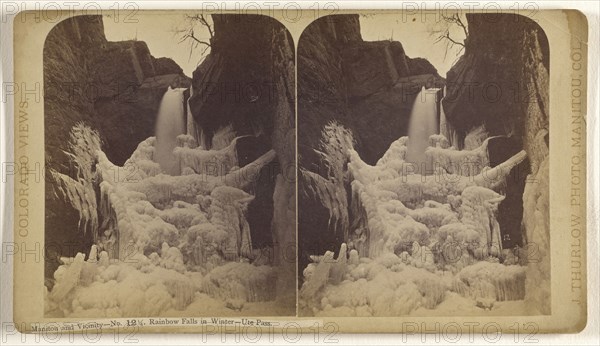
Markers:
point(167, 244)
point(421, 242)
point(79, 189)
point(536, 221)
point(190, 127)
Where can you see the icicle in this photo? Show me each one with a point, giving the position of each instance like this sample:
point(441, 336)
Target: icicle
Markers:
point(203, 139)
point(444, 126)
point(191, 127)
point(478, 210)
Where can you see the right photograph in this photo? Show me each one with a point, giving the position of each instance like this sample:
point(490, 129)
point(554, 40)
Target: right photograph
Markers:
point(423, 167)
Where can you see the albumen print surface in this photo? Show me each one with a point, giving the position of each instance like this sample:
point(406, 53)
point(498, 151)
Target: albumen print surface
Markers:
point(366, 171)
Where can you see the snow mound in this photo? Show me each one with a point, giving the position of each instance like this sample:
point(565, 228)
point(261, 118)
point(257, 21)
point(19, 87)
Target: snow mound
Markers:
point(351, 286)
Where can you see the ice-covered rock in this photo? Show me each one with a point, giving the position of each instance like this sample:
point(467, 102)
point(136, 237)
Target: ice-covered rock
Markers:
point(536, 220)
point(489, 280)
point(77, 189)
point(239, 280)
point(215, 162)
point(477, 210)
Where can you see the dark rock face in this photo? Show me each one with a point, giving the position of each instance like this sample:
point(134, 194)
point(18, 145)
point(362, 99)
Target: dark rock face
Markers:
point(323, 215)
point(510, 210)
point(502, 79)
point(114, 88)
point(369, 67)
point(381, 118)
point(66, 82)
point(352, 94)
point(260, 210)
point(248, 82)
point(420, 66)
point(164, 66)
point(235, 85)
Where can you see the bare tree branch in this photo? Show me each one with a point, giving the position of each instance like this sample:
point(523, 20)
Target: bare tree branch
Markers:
point(455, 19)
point(462, 25)
point(202, 20)
point(444, 34)
point(188, 33)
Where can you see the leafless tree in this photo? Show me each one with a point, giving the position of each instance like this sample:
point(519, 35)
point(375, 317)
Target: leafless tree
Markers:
point(189, 34)
point(443, 34)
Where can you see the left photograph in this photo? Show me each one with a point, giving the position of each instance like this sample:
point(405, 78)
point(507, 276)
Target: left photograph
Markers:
point(169, 166)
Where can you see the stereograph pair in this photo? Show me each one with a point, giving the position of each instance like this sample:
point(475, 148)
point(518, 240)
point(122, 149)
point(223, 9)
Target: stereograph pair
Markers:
point(356, 165)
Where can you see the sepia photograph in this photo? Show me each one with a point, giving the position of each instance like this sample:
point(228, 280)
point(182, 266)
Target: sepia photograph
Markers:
point(293, 174)
point(423, 166)
point(169, 166)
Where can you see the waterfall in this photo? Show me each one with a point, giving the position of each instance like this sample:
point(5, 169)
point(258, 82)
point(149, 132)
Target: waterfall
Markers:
point(169, 124)
point(423, 123)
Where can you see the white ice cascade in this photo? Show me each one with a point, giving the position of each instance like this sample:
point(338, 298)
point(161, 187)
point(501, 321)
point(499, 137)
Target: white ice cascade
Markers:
point(170, 123)
point(420, 242)
point(173, 234)
point(423, 123)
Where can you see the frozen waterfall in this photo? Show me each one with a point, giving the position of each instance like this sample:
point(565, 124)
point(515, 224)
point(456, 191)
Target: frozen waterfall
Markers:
point(179, 240)
point(170, 123)
point(421, 240)
point(423, 123)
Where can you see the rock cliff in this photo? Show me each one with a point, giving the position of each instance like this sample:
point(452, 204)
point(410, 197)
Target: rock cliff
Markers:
point(502, 79)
